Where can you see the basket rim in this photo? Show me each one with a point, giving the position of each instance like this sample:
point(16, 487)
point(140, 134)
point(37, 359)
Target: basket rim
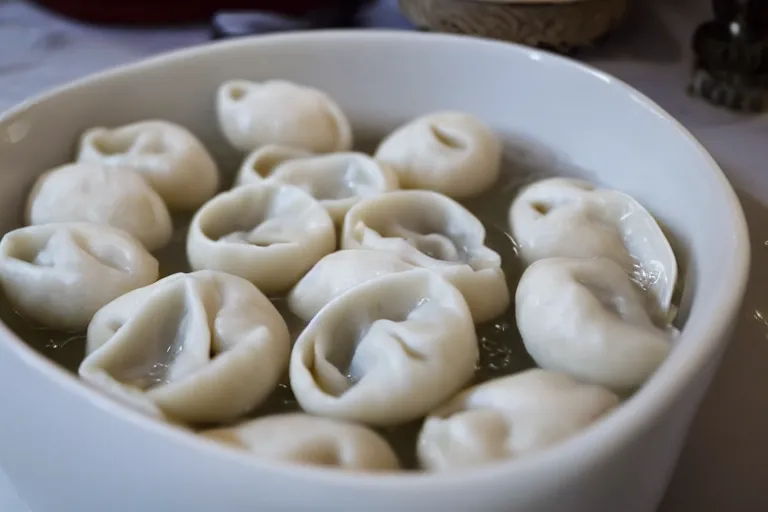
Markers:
point(530, 3)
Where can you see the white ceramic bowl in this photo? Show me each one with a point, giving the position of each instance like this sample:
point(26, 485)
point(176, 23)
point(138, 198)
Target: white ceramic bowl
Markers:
point(67, 447)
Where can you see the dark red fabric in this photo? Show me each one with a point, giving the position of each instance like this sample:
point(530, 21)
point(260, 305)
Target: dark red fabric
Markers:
point(152, 12)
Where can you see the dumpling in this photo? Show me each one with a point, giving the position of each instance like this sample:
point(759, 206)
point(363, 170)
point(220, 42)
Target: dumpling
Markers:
point(386, 352)
point(172, 160)
point(585, 317)
point(254, 114)
point(88, 192)
point(509, 417)
point(430, 230)
point(337, 273)
point(267, 233)
point(310, 440)
point(453, 153)
point(561, 217)
point(338, 181)
point(196, 348)
point(60, 274)
point(261, 163)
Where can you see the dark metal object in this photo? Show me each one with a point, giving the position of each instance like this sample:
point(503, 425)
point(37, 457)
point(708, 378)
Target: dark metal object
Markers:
point(731, 56)
point(339, 14)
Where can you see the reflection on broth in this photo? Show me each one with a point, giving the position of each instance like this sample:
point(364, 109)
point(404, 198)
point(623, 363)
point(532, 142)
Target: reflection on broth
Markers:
point(65, 348)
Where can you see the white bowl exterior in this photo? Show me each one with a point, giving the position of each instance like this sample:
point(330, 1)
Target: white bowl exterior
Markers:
point(68, 448)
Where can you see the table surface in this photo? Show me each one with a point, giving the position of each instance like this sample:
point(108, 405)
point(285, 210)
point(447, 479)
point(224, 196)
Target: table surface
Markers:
point(726, 457)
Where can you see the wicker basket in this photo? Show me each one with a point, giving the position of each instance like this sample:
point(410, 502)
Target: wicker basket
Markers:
point(556, 25)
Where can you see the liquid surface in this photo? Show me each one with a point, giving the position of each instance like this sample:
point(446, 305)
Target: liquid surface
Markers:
point(501, 348)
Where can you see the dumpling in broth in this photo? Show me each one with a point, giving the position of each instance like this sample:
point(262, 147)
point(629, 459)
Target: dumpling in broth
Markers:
point(170, 157)
point(561, 217)
point(339, 180)
point(509, 417)
point(310, 440)
point(267, 233)
point(585, 317)
point(196, 348)
point(60, 275)
point(337, 273)
point(262, 162)
point(254, 114)
point(430, 230)
point(387, 351)
point(453, 153)
point(88, 192)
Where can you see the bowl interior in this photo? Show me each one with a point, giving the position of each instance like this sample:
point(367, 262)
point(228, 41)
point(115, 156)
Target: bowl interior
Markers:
point(556, 118)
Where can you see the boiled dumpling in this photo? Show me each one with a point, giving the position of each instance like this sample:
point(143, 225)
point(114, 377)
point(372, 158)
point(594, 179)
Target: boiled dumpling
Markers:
point(430, 230)
point(267, 233)
point(562, 217)
point(387, 351)
point(585, 317)
point(453, 153)
point(337, 273)
point(254, 114)
point(261, 163)
point(197, 348)
point(509, 417)
point(88, 192)
point(310, 440)
point(61, 274)
point(172, 160)
point(338, 181)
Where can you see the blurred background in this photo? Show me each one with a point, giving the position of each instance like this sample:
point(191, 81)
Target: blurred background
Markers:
point(647, 43)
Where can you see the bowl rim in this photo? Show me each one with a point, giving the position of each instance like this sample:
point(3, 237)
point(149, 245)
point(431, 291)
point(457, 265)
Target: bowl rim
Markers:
point(598, 441)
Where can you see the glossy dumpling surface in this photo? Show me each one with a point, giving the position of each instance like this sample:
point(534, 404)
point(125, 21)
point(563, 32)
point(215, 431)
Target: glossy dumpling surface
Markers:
point(88, 192)
point(262, 162)
point(170, 157)
point(562, 217)
point(430, 230)
point(254, 114)
point(310, 440)
point(453, 153)
point(337, 273)
point(267, 233)
point(197, 348)
point(387, 351)
point(585, 317)
point(60, 274)
point(508, 418)
point(339, 180)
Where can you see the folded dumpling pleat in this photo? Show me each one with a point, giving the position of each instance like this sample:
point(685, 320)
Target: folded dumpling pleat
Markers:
point(262, 162)
point(387, 351)
point(267, 233)
point(59, 275)
point(254, 114)
point(339, 180)
point(430, 230)
point(508, 418)
point(89, 192)
point(311, 440)
point(570, 218)
point(453, 153)
point(337, 273)
point(197, 348)
point(585, 317)
point(172, 160)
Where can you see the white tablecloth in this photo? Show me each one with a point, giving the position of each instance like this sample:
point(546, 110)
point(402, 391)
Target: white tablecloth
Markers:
point(725, 461)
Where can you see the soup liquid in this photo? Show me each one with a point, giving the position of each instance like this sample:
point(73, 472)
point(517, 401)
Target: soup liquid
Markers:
point(501, 348)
